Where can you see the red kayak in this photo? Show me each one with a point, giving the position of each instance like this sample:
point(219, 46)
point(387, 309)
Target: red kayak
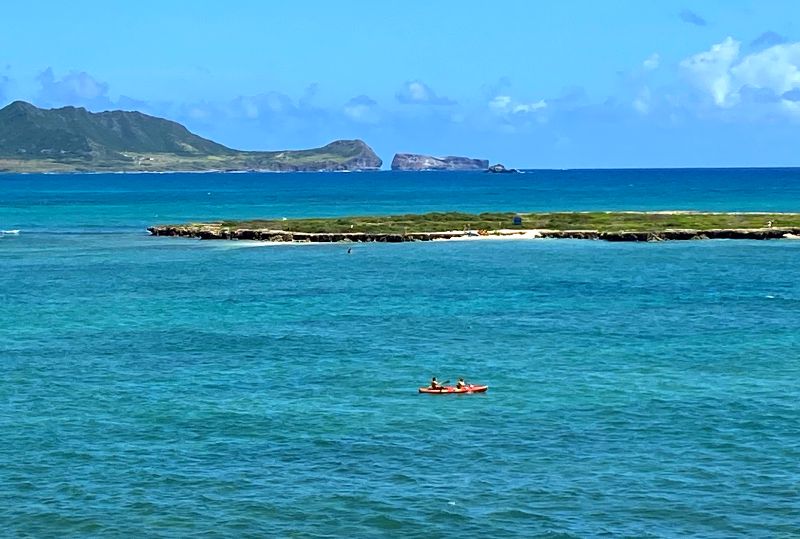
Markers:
point(449, 390)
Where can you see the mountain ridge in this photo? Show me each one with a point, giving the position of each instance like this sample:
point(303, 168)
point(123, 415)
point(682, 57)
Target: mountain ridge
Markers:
point(69, 138)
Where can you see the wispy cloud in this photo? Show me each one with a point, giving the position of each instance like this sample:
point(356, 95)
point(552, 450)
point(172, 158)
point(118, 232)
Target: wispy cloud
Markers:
point(130, 103)
point(416, 92)
point(362, 109)
point(76, 88)
point(652, 62)
point(4, 84)
point(692, 18)
point(504, 104)
point(309, 94)
point(642, 101)
point(792, 95)
point(510, 115)
point(261, 105)
point(768, 39)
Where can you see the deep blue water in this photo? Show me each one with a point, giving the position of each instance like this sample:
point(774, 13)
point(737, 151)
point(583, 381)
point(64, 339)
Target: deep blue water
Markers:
point(108, 202)
point(169, 387)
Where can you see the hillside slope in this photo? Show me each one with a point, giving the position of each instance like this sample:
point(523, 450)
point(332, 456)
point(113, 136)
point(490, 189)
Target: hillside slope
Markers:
point(74, 139)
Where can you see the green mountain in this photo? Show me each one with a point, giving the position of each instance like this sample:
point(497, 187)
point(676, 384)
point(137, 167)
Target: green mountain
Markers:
point(74, 139)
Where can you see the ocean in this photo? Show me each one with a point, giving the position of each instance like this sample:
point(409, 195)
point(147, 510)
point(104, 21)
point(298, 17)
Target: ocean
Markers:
point(168, 387)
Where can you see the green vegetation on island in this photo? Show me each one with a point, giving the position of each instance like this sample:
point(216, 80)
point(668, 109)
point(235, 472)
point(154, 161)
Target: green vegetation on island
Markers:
point(72, 139)
point(595, 221)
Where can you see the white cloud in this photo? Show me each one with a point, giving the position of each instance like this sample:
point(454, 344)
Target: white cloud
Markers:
point(264, 106)
point(356, 112)
point(529, 107)
point(711, 71)
point(416, 92)
point(775, 68)
point(500, 103)
point(75, 88)
point(504, 104)
point(197, 113)
point(768, 76)
point(652, 62)
point(249, 108)
point(361, 109)
point(642, 101)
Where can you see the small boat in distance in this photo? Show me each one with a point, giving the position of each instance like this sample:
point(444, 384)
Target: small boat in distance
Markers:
point(453, 390)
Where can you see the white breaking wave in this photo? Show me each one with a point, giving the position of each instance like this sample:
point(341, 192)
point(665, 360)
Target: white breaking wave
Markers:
point(14, 232)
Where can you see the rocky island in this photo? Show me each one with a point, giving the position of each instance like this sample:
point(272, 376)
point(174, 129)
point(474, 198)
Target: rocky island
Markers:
point(500, 169)
point(72, 139)
point(413, 161)
point(608, 226)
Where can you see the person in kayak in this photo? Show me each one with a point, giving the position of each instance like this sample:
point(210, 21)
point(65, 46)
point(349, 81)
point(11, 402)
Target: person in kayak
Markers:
point(435, 383)
point(461, 384)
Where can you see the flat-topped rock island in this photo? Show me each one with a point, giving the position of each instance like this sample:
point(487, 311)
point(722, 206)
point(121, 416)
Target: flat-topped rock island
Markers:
point(608, 226)
point(413, 161)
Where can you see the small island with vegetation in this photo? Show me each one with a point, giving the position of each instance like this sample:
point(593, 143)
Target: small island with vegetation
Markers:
point(609, 226)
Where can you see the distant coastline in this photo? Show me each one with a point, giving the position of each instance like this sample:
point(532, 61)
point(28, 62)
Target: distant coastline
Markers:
point(72, 139)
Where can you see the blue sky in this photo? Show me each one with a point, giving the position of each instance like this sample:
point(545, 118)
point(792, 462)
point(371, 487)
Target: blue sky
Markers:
point(562, 84)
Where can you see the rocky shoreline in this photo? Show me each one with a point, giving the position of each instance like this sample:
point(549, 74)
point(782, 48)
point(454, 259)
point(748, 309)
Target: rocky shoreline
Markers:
point(216, 232)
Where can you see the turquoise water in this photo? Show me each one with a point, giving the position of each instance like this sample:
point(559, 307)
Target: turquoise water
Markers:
point(169, 387)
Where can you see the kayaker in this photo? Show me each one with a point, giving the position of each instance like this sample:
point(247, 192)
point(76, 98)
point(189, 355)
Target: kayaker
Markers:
point(461, 384)
point(435, 383)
